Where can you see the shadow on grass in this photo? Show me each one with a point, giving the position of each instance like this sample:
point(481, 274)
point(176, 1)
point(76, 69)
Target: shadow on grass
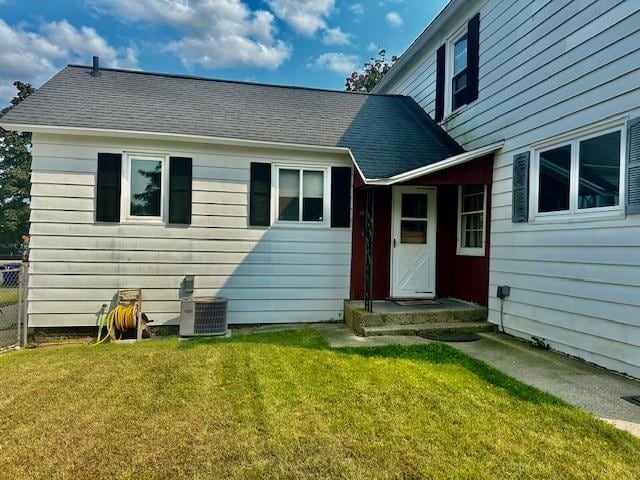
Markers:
point(434, 353)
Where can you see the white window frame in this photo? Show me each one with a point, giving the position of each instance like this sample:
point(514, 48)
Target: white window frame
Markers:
point(471, 251)
point(449, 65)
point(575, 213)
point(326, 200)
point(125, 205)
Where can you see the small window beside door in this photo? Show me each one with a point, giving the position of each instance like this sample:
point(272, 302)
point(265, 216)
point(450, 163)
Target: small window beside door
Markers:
point(472, 203)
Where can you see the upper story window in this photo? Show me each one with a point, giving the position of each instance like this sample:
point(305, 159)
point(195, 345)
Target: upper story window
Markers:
point(580, 175)
point(457, 69)
point(459, 72)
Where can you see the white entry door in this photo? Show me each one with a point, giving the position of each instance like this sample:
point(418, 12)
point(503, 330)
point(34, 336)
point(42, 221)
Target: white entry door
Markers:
point(413, 242)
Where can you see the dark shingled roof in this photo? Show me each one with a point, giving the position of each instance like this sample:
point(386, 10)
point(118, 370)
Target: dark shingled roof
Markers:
point(387, 134)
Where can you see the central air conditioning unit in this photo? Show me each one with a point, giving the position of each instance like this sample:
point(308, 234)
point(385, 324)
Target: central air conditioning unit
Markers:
point(203, 316)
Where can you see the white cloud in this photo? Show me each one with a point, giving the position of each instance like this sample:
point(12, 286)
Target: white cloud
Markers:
point(335, 62)
point(335, 36)
point(304, 16)
point(372, 47)
point(394, 19)
point(215, 33)
point(357, 8)
point(34, 55)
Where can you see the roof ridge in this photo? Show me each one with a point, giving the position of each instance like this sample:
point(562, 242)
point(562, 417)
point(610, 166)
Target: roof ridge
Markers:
point(239, 82)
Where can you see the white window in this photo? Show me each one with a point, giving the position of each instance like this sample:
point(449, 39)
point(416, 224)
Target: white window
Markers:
point(472, 203)
point(301, 195)
point(457, 72)
point(144, 187)
point(581, 175)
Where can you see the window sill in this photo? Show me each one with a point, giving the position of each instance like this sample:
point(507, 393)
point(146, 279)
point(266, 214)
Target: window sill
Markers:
point(470, 252)
point(451, 115)
point(578, 217)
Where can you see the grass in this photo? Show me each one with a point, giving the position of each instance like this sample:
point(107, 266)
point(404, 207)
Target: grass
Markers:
point(284, 405)
point(8, 296)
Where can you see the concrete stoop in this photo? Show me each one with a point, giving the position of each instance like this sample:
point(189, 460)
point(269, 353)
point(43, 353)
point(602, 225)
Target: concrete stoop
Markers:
point(389, 318)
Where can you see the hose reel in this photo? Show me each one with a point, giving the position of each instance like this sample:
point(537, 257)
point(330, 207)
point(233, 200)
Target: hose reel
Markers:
point(126, 315)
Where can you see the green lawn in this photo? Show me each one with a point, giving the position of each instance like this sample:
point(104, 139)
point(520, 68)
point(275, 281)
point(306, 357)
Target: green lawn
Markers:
point(284, 405)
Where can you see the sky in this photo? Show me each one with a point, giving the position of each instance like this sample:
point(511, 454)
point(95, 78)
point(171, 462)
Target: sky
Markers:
point(314, 43)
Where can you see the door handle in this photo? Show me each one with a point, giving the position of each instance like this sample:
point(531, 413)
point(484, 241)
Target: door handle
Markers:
point(394, 243)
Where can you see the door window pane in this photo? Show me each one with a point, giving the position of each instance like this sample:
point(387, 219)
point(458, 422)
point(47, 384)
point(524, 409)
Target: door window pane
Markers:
point(555, 173)
point(289, 195)
point(414, 205)
point(599, 172)
point(413, 231)
point(146, 193)
point(312, 196)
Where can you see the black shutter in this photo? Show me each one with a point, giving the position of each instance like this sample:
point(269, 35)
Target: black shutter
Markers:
point(440, 79)
point(633, 166)
point(180, 175)
point(108, 187)
point(520, 188)
point(340, 197)
point(473, 58)
point(260, 195)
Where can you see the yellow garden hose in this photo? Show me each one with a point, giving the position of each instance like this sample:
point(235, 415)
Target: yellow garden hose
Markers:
point(119, 319)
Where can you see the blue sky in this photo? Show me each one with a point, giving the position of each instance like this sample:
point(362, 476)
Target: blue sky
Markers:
point(298, 42)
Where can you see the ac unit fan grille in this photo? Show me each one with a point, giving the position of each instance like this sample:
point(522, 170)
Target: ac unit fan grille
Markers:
point(210, 318)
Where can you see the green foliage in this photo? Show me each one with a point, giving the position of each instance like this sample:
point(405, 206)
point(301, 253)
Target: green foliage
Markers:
point(371, 73)
point(15, 168)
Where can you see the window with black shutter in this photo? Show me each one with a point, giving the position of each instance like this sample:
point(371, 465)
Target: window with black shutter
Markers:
point(633, 166)
point(520, 190)
point(457, 69)
point(180, 177)
point(108, 187)
point(260, 195)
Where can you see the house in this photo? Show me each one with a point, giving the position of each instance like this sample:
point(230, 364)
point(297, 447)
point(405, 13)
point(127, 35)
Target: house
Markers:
point(141, 179)
point(559, 83)
point(501, 150)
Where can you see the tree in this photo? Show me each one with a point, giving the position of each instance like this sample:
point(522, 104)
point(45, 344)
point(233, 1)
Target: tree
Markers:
point(371, 73)
point(15, 167)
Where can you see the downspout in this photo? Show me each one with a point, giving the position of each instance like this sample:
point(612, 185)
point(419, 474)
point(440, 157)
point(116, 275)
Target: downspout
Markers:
point(368, 248)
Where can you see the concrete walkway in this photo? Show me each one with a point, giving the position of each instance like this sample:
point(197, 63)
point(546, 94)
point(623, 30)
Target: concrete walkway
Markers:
point(595, 390)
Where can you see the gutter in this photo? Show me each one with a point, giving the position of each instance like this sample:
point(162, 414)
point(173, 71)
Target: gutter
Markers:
point(438, 166)
point(174, 137)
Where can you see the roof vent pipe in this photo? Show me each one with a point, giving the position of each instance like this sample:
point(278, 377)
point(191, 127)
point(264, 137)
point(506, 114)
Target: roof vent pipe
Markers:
point(95, 71)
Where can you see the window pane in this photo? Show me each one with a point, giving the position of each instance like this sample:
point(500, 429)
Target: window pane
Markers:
point(555, 172)
point(472, 226)
point(472, 198)
point(460, 55)
point(289, 195)
point(599, 182)
point(413, 231)
point(312, 193)
point(414, 205)
point(146, 178)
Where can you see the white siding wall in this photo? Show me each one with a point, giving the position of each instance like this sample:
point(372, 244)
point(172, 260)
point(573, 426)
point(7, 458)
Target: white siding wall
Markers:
point(271, 274)
point(547, 68)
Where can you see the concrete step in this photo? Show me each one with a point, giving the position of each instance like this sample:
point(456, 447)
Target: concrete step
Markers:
point(431, 327)
point(390, 314)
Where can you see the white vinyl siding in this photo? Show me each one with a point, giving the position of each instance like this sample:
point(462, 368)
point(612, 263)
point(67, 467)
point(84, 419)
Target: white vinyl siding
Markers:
point(273, 275)
point(546, 69)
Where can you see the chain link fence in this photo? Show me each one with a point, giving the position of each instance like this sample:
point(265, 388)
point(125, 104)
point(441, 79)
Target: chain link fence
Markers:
point(13, 282)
